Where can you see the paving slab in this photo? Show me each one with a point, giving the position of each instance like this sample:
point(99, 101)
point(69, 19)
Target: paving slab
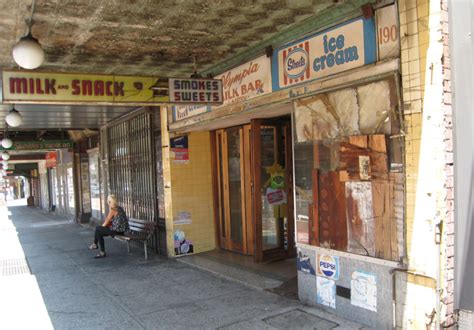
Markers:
point(69, 289)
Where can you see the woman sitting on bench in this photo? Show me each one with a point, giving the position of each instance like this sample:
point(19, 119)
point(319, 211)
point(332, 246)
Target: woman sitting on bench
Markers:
point(116, 223)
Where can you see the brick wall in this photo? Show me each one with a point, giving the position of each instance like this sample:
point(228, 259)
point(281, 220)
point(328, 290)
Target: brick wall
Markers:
point(448, 247)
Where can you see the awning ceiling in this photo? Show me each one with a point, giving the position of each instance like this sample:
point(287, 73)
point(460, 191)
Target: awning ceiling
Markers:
point(159, 38)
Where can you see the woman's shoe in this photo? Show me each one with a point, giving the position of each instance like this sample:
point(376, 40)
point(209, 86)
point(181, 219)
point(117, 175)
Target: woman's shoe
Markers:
point(93, 246)
point(100, 255)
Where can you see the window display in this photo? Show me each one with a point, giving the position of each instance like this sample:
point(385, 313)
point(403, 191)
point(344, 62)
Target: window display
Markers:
point(349, 178)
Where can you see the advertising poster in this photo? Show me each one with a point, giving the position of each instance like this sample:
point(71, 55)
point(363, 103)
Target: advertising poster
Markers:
point(364, 290)
point(179, 150)
point(326, 292)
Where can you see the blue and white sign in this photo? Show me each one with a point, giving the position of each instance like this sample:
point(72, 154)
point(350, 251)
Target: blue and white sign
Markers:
point(347, 46)
point(328, 266)
point(305, 261)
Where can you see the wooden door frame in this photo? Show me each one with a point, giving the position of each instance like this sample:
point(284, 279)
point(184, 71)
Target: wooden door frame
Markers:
point(255, 125)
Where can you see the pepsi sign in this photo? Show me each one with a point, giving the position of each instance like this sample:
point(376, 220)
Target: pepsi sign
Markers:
point(328, 266)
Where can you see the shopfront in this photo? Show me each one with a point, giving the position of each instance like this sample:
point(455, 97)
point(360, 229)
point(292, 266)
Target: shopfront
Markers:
point(314, 165)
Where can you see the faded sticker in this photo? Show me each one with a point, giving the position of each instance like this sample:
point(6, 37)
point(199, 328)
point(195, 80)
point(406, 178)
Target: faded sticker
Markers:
point(182, 218)
point(305, 261)
point(364, 167)
point(181, 244)
point(364, 290)
point(326, 292)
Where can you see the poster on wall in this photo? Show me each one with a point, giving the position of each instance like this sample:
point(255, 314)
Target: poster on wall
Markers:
point(326, 292)
point(328, 266)
point(179, 150)
point(182, 245)
point(305, 261)
point(364, 290)
point(182, 218)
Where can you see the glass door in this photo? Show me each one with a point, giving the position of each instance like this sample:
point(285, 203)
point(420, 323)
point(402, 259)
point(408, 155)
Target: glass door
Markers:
point(272, 175)
point(231, 188)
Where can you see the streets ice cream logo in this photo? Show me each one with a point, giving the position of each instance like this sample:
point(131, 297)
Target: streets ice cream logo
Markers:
point(296, 63)
point(328, 266)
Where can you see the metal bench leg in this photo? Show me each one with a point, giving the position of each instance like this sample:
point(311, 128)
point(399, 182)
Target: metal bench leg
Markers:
point(128, 246)
point(146, 250)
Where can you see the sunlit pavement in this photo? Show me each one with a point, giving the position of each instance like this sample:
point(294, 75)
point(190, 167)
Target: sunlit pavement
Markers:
point(49, 279)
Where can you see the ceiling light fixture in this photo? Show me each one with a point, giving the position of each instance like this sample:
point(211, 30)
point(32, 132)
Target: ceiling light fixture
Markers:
point(5, 155)
point(28, 52)
point(14, 118)
point(6, 142)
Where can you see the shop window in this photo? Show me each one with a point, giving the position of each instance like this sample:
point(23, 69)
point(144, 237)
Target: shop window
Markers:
point(349, 178)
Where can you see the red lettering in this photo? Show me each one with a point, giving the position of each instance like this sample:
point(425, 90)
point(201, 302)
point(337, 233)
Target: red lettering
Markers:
point(31, 85)
point(49, 85)
point(86, 87)
point(177, 96)
point(76, 90)
point(99, 88)
point(243, 89)
point(201, 97)
point(17, 85)
point(250, 87)
point(258, 85)
point(215, 97)
point(38, 86)
point(108, 90)
point(202, 84)
point(118, 88)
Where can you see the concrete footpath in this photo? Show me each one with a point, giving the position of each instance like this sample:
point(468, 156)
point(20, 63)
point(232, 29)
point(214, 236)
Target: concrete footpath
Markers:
point(49, 279)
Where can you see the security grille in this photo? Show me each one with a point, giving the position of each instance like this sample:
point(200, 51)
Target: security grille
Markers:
point(132, 176)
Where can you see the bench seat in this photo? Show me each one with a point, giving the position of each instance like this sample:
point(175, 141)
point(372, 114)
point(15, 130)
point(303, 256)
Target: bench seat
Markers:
point(140, 231)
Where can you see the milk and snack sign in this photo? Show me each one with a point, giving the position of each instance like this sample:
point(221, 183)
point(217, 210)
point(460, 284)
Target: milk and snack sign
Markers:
point(342, 48)
point(328, 266)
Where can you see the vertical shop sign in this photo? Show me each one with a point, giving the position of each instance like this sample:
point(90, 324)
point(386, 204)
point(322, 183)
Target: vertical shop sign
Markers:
point(388, 35)
point(51, 159)
point(342, 48)
point(240, 84)
point(180, 150)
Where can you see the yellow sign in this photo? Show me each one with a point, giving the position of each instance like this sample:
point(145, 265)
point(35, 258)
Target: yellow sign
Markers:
point(66, 88)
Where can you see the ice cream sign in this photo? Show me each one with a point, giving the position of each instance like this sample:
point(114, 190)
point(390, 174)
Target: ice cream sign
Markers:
point(345, 47)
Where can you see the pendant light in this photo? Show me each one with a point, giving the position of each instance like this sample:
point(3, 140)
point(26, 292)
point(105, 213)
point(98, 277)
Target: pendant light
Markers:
point(5, 155)
point(14, 118)
point(6, 142)
point(28, 52)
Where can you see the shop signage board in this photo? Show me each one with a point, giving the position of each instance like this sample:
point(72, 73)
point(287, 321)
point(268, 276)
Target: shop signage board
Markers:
point(240, 84)
point(41, 145)
point(78, 88)
point(344, 47)
point(51, 159)
point(388, 35)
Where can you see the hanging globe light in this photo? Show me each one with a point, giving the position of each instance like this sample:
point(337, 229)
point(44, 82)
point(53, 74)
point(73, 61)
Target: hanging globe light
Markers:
point(28, 53)
point(5, 155)
point(14, 118)
point(7, 143)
